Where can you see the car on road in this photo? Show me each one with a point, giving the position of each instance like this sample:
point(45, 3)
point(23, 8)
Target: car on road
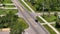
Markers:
point(36, 20)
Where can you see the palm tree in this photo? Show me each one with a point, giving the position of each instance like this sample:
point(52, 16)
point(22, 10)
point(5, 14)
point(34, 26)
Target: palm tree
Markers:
point(33, 2)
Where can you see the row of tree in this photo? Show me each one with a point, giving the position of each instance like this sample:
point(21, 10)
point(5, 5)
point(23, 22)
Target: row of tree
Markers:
point(47, 4)
point(11, 20)
point(1, 1)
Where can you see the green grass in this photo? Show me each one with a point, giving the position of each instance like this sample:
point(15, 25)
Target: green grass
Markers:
point(23, 23)
point(55, 27)
point(24, 5)
point(4, 11)
point(49, 29)
point(9, 6)
point(7, 1)
point(52, 18)
point(39, 20)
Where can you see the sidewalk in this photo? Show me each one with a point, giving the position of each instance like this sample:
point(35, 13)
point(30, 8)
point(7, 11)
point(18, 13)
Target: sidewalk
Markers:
point(49, 23)
point(5, 30)
point(29, 31)
point(47, 13)
point(7, 4)
point(7, 8)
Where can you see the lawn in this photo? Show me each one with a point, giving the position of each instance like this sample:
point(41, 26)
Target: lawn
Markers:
point(49, 29)
point(39, 20)
point(7, 1)
point(4, 11)
point(50, 18)
point(55, 27)
point(9, 6)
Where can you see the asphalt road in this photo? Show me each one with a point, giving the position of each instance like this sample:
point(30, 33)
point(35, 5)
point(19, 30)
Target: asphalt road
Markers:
point(38, 29)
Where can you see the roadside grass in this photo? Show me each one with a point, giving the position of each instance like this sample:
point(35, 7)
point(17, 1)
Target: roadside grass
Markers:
point(5, 11)
point(24, 5)
point(39, 20)
point(23, 23)
point(49, 29)
point(55, 27)
point(7, 1)
point(9, 6)
point(50, 18)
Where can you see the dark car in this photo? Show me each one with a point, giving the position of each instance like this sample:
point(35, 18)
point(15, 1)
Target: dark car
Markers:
point(36, 20)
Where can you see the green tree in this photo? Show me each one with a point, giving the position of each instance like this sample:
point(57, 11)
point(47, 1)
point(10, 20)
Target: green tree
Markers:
point(39, 7)
point(58, 22)
point(56, 14)
point(33, 2)
point(3, 5)
point(1, 1)
point(52, 7)
point(17, 27)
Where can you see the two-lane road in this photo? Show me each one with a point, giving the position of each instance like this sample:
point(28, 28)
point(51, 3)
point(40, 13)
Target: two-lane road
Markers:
point(38, 29)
